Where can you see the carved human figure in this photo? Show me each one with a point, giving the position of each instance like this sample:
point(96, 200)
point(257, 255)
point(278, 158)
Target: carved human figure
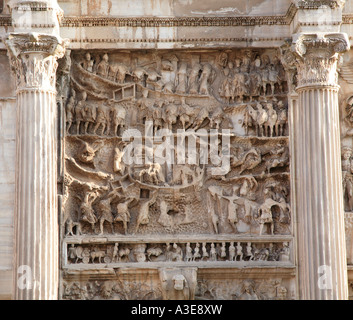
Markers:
point(240, 86)
point(174, 286)
point(89, 116)
point(265, 73)
point(231, 250)
point(143, 214)
point(248, 252)
point(205, 254)
point(119, 165)
point(119, 72)
point(157, 115)
point(177, 253)
point(181, 80)
point(347, 170)
point(196, 254)
point(86, 210)
point(271, 120)
point(188, 252)
point(105, 212)
point(102, 119)
point(144, 104)
point(193, 81)
point(273, 78)
point(265, 216)
point(153, 174)
point(205, 79)
point(248, 291)
point(239, 252)
point(223, 250)
point(79, 111)
point(118, 118)
point(170, 115)
point(87, 63)
point(281, 119)
point(213, 252)
point(123, 213)
point(285, 252)
point(70, 109)
point(185, 113)
point(103, 66)
point(115, 254)
point(225, 89)
point(255, 79)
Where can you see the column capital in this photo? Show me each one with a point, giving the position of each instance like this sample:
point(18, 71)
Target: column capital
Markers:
point(315, 56)
point(316, 4)
point(34, 57)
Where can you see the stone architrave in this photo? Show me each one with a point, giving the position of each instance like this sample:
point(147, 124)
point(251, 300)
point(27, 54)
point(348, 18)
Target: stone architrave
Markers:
point(34, 60)
point(316, 164)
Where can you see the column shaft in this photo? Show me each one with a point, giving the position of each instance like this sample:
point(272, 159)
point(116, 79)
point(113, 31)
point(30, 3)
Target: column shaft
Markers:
point(319, 204)
point(36, 223)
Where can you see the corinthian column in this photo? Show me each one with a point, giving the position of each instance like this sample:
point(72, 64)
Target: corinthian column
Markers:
point(316, 166)
point(33, 58)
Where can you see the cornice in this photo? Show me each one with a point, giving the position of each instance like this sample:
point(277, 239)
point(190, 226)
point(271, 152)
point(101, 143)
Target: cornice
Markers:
point(145, 22)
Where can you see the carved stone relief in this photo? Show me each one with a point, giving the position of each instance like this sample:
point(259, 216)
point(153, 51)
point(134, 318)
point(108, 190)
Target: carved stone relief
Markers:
point(185, 144)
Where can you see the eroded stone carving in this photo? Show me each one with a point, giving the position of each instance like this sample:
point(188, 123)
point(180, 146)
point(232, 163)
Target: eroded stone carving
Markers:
point(145, 132)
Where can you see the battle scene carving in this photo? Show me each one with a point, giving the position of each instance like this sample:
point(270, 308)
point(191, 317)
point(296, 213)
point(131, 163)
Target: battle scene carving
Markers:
point(175, 158)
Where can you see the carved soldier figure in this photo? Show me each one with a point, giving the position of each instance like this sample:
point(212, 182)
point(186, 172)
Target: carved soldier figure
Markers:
point(89, 116)
point(118, 115)
point(181, 80)
point(347, 170)
point(205, 79)
point(103, 66)
point(123, 214)
point(79, 111)
point(86, 210)
point(87, 63)
point(193, 82)
point(70, 113)
point(143, 215)
point(225, 89)
point(105, 212)
point(102, 119)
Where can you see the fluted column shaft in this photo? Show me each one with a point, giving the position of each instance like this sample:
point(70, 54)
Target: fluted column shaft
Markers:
point(36, 269)
point(321, 250)
point(321, 243)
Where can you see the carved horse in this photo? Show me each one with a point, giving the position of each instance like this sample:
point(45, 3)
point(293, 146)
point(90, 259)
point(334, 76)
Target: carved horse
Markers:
point(262, 118)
